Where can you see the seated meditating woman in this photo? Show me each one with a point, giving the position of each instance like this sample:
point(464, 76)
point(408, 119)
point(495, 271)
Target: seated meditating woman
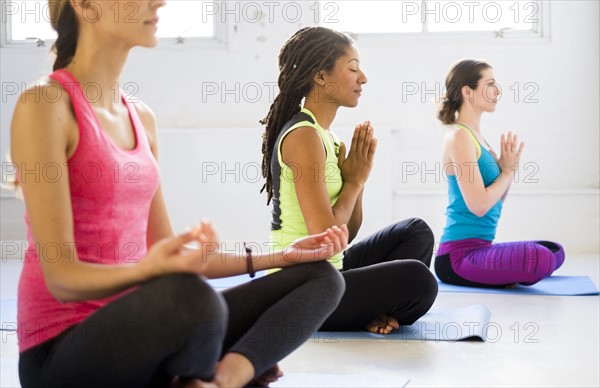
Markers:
point(467, 255)
point(315, 185)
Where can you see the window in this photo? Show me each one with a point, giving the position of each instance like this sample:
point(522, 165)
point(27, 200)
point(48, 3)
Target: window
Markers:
point(422, 16)
point(30, 19)
point(187, 19)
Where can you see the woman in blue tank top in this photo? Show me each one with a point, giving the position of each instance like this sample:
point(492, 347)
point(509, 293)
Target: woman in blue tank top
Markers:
point(478, 183)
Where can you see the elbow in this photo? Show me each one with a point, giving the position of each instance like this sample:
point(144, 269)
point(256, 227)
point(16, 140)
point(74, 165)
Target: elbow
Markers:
point(316, 228)
point(60, 294)
point(478, 210)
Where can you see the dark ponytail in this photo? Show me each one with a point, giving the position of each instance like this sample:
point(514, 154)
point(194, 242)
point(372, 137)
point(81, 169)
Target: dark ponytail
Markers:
point(308, 51)
point(63, 20)
point(465, 73)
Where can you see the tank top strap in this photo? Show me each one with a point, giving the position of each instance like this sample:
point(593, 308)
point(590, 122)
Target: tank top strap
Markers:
point(138, 126)
point(330, 140)
point(84, 113)
point(475, 141)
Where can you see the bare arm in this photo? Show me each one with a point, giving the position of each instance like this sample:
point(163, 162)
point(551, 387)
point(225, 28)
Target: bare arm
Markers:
point(312, 248)
point(506, 192)
point(303, 149)
point(462, 153)
point(356, 217)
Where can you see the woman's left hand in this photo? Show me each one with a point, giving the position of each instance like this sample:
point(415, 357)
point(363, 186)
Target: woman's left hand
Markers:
point(317, 247)
point(206, 236)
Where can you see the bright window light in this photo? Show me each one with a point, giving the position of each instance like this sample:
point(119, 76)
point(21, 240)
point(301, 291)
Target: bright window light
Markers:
point(30, 19)
point(393, 16)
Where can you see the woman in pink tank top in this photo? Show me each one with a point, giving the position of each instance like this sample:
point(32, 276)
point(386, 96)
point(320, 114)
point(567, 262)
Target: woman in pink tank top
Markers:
point(109, 296)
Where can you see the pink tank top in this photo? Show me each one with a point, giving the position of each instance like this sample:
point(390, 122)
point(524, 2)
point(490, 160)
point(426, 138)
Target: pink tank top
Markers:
point(111, 191)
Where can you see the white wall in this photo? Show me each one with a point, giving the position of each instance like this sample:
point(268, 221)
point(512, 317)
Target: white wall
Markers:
point(556, 196)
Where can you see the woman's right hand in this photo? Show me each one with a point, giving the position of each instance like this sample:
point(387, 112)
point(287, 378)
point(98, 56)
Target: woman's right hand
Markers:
point(357, 165)
point(510, 153)
point(171, 255)
point(317, 247)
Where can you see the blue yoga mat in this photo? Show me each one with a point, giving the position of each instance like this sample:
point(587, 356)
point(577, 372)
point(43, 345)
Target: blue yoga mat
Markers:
point(469, 323)
point(554, 285)
point(466, 323)
point(232, 281)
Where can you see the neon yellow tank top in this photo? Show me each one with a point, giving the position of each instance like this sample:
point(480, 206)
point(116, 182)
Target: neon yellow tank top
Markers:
point(287, 223)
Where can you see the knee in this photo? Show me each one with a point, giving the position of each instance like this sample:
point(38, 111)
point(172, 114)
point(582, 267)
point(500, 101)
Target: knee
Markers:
point(547, 256)
point(189, 299)
point(331, 281)
point(422, 231)
point(422, 236)
point(425, 284)
point(557, 252)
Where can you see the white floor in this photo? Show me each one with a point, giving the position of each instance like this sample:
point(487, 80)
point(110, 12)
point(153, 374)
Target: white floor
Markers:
point(535, 341)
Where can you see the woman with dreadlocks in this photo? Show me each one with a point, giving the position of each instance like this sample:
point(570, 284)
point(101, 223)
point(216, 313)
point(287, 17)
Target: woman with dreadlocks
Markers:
point(314, 185)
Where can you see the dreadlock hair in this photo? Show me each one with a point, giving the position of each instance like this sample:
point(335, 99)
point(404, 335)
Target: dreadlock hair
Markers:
point(308, 51)
point(464, 73)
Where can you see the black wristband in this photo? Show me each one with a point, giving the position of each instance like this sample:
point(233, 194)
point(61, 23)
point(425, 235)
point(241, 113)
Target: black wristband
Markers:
point(249, 261)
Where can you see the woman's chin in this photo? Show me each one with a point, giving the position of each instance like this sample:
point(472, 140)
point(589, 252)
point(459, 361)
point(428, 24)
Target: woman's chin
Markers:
point(148, 43)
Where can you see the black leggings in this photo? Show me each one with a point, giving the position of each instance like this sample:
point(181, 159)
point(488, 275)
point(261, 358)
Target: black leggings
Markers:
point(179, 326)
point(387, 273)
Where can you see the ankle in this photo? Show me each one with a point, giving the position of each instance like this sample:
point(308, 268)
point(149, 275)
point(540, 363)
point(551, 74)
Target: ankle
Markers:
point(234, 370)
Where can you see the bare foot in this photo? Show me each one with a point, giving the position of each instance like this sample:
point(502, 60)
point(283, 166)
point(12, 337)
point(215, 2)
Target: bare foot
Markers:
point(383, 324)
point(270, 376)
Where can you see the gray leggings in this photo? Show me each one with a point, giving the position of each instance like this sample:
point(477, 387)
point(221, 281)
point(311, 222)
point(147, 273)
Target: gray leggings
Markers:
point(179, 326)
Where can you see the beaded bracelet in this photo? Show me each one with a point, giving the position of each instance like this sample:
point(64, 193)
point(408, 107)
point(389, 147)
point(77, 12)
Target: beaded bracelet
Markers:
point(249, 260)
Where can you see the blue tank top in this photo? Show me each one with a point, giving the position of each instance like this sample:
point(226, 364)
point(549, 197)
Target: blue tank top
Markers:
point(460, 222)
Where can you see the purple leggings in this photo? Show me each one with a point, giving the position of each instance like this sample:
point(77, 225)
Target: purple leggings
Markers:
point(476, 262)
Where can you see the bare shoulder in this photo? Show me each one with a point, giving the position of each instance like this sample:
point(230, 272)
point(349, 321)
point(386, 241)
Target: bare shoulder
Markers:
point(44, 110)
point(454, 133)
point(459, 145)
point(45, 95)
point(303, 135)
point(302, 142)
point(457, 137)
